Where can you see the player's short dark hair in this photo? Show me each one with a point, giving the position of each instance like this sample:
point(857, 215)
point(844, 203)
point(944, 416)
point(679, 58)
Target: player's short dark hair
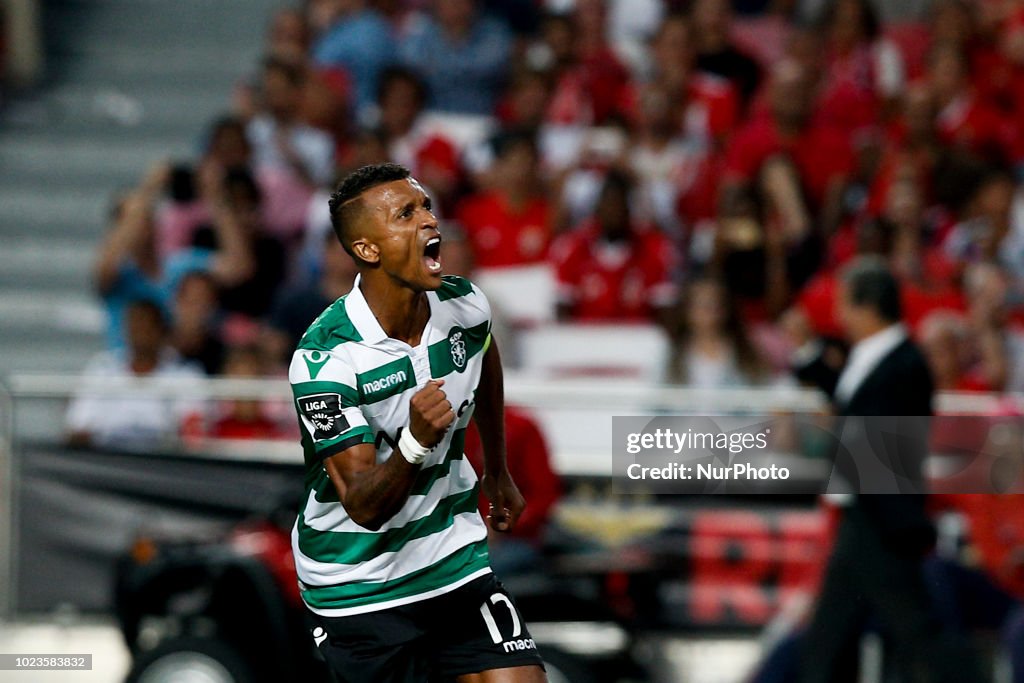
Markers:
point(344, 210)
point(870, 283)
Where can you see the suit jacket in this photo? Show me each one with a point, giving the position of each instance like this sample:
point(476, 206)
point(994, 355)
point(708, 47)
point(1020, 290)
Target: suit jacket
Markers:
point(899, 386)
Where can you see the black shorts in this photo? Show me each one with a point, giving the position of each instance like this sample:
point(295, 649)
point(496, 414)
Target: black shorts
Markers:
point(474, 628)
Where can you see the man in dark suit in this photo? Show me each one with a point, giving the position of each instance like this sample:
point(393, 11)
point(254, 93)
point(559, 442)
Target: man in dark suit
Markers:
point(874, 574)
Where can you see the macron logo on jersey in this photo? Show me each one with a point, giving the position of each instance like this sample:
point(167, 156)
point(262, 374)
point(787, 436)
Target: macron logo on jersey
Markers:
point(386, 382)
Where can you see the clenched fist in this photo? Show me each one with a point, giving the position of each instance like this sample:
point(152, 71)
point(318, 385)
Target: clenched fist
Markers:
point(430, 414)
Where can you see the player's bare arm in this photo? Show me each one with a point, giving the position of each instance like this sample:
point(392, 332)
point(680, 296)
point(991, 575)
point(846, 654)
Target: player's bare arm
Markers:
point(507, 503)
point(372, 493)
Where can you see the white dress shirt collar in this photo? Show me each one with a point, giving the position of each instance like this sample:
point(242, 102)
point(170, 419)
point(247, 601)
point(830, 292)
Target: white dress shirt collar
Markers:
point(865, 357)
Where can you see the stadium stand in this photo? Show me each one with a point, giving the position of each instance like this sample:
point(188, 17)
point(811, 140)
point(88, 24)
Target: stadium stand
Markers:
point(755, 175)
point(127, 83)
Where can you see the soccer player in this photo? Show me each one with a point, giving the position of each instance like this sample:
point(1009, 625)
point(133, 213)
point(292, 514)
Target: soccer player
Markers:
point(390, 550)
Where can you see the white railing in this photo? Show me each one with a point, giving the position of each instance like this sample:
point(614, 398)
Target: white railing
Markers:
point(573, 413)
point(614, 395)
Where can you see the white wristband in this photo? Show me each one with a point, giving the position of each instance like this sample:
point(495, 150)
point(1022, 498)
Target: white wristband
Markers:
point(412, 450)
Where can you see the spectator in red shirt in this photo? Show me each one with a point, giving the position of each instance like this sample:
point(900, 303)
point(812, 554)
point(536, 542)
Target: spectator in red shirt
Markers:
point(947, 344)
point(525, 103)
point(716, 52)
point(862, 70)
point(410, 141)
point(911, 147)
point(590, 80)
point(1000, 340)
point(820, 154)
point(610, 268)
point(965, 120)
point(706, 105)
point(909, 242)
point(246, 419)
point(997, 65)
point(663, 162)
point(986, 231)
point(530, 463)
point(509, 224)
point(912, 238)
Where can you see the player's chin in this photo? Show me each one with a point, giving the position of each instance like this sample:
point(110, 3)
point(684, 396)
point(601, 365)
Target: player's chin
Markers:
point(426, 280)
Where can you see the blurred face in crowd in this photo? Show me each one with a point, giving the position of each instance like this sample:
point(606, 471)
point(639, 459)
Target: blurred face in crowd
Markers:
point(657, 111)
point(323, 13)
point(370, 148)
point(145, 330)
point(904, 204)
point(804, 47)
point(704, 313)
point(613, 211)
point(711, 21)
point(244, 200)
point(289, 35)
point(282, 91)
point(947, 72)
point(590, 19)
point(919, 113)
point(986, 287)
point(229, 146)
point(401, 102)
point(558, 35)
point(455, 16)
point(952, 21)
point(791, 97)
point(672, 50)
point(529, 99)
point(195, 301)
point(848, 25)
point(517, 165)
point(992, 203)
point(941, 339)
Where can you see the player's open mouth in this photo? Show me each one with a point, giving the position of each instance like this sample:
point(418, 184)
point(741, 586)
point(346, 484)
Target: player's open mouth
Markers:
point(432, 254)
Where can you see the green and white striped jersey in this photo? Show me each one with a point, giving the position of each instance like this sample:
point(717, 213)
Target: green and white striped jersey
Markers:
point(352, 384)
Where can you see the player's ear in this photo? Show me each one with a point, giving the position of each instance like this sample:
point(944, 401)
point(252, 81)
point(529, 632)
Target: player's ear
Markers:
point(366, 251)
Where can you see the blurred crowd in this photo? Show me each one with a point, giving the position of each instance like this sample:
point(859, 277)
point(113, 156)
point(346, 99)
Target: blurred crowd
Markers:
point(700, 165)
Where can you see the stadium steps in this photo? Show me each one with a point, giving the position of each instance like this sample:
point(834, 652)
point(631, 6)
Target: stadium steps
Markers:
point(128, 83)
